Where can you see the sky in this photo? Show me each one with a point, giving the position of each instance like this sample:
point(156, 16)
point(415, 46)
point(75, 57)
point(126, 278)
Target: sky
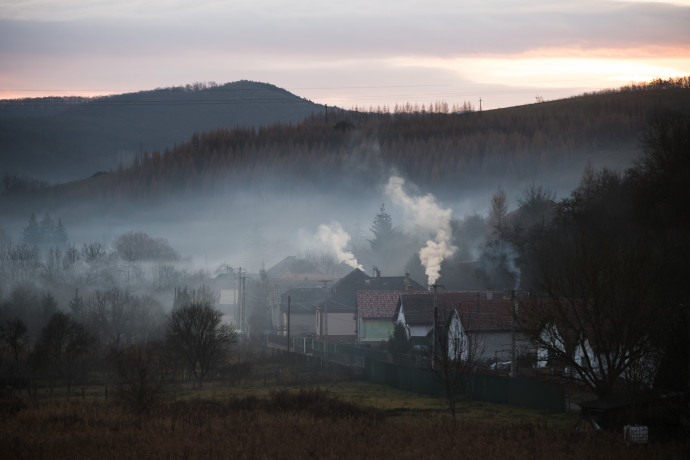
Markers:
point(354, 53)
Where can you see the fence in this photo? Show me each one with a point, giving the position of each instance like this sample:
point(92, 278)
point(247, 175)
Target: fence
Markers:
point(410, 373)
point(481, 387)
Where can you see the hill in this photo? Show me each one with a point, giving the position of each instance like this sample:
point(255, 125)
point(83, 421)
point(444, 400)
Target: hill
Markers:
point(547, 143)
point(62, 139)
point(262, 192)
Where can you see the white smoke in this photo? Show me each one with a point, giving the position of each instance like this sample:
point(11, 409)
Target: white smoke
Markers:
point(334, 237)
point(511, 264)
point(422, 214)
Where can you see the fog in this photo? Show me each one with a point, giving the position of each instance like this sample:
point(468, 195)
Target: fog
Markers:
point(259, 225)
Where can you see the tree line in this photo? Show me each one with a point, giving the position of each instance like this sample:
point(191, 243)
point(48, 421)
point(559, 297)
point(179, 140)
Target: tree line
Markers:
point(607, 267)
point(432, 148)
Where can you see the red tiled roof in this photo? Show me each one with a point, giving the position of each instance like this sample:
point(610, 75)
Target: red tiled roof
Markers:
point(419, 306)
point(377, 304)
point(486, 315)
point(478, 310)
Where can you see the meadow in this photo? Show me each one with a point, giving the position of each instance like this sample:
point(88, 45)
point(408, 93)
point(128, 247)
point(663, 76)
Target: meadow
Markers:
point(331, 419)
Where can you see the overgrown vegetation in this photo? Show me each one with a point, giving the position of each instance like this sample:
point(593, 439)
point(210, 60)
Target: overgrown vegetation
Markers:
point(307, 423)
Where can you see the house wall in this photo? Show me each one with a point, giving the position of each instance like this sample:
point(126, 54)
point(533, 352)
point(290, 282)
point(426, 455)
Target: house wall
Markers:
point(301, 323)
point(376, 330)
point(498, 345)
point(339, 324)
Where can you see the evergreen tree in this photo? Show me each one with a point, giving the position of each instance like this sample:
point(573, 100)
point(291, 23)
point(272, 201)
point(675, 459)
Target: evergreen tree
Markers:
point(47, 226)
point(76, 306)
point(31, 234)
point(59, 235)
point(382, 228)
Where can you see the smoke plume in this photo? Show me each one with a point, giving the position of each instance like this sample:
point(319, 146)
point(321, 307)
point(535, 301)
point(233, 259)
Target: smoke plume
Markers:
point(424, 216)
point(334, 237)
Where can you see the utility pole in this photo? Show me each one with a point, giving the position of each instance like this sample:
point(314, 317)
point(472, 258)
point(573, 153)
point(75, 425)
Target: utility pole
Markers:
point(245, 325)
point(238, 300)
point(433, 343)
point(288, 326)
point(325, 322)
point(513, 366)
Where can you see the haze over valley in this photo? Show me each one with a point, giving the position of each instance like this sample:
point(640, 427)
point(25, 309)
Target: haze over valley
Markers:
point(253, 181)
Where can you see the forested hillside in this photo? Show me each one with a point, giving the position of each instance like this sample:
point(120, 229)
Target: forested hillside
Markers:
point(60, 139)
point(262, 192)
point(548, 143)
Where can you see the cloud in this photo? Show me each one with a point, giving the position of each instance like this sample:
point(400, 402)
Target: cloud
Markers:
point(376, 44)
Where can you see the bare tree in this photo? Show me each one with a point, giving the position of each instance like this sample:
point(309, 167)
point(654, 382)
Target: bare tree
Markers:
point(110, 314)
point(13, 337)
point(62, 348)
point(138, 246)
point(598, 312)
point(142, 371)
point(455, 355)
point(197, 335)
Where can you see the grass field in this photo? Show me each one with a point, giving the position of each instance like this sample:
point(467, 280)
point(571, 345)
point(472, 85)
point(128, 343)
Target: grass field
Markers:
point(331, 419)
point(284, 411)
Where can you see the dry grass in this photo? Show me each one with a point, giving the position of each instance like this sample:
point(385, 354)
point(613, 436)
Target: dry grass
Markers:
point(298, 424)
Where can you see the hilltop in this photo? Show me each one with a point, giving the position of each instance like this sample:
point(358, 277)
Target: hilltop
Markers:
point(61, 139)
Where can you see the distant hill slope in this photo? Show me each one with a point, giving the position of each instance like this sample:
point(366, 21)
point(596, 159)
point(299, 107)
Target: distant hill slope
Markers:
point(548, 143)
point(352, 154)
point(60, 139)
point(259, 190)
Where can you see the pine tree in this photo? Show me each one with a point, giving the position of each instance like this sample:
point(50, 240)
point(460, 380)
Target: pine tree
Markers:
point(59, 236)
point(31, 234)
point(382, 228)
point(47, 226)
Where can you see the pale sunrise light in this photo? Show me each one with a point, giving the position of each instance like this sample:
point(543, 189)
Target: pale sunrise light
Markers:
point(345, 54)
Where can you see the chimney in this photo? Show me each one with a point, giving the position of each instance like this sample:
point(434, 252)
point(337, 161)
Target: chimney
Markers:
point(408, 284)
point(377, 272)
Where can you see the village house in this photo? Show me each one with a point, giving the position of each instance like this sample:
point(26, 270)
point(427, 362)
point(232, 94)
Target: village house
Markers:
point(375, 310)
point(300, 305)
point(483, 315)
point(338, 315)
point(292, 273)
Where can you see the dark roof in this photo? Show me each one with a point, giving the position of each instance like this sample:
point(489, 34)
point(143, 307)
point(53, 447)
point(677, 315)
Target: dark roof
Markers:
point(344, 292)
point(302, 300)
point(293, 265)
point(224, 281)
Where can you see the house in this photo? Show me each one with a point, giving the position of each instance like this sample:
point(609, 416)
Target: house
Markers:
point(484, 315)
point(490, 321)
point(292, 273)
point(450, 341)
point(338, 315)
point(300, 304)
point(375, 311)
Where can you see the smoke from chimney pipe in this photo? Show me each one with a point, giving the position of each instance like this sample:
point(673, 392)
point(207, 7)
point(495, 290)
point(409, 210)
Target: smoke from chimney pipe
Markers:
point(335, 238)
point(422, 214)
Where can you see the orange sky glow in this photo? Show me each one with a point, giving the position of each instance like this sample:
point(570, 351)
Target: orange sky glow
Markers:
point(358, 53)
